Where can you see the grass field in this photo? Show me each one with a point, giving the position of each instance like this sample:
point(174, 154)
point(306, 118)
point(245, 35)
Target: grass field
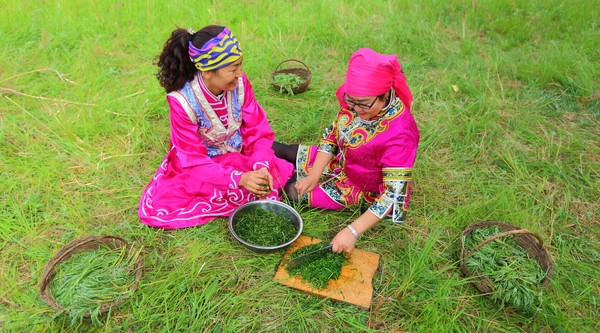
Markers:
point(507, 100)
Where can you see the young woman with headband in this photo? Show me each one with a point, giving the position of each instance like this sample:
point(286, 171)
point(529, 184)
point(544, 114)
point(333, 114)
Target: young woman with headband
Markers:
point(220, 154)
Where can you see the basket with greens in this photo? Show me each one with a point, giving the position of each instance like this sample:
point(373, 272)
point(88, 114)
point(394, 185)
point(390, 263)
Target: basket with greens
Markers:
point(506, 262)
point(91, 276)
point(292, 80)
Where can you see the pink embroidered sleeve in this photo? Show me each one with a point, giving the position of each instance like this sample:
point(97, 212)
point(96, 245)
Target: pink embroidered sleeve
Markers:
point(329, 141)
point(397, 163)
point(401, 146)
point(192, 152)
point(256, 132)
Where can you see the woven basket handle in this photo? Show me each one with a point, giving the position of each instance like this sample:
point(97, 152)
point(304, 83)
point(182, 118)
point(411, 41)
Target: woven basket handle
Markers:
point(296, 60)
point(503, 234)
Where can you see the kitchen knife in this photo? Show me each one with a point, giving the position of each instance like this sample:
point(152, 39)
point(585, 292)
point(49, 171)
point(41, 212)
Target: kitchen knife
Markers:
point(308, 256)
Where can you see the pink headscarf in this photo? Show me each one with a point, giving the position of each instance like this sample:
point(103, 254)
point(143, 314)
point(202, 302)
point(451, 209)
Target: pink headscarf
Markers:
point(372, 74)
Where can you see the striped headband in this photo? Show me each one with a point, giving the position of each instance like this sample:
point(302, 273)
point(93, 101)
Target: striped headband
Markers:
point(218, 52)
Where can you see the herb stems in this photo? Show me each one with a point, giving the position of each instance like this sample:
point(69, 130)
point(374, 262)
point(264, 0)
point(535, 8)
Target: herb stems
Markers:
point(322, 269)
point(265, 228)
point(515, 274)
point(88, 280)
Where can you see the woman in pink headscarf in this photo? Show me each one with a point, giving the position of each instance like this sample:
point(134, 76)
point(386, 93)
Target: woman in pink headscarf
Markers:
point(220, 154)
point(366, 156)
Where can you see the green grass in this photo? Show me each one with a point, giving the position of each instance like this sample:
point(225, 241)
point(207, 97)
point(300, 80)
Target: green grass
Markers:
point(84, 126)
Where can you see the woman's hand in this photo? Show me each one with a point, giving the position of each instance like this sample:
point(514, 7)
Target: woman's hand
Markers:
point(266, 173)
point(343, 241)
point(306, 184)
point(258, 182)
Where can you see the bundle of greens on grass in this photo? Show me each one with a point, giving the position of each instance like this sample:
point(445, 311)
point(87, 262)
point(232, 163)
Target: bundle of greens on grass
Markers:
point(515, 274)
point(265, 228)
point(287, 82)
point(320, 270)
point(91, 279)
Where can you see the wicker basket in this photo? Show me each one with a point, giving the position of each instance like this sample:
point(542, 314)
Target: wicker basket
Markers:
point(303, 72)
point(81, 245)
point(529, 241)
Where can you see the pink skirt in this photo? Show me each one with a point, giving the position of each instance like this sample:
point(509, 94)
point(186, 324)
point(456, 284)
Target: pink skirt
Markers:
point(176, 198)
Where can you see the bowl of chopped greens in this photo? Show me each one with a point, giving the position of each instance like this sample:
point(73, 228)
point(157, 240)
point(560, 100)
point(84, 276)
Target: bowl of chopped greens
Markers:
point(265, 225)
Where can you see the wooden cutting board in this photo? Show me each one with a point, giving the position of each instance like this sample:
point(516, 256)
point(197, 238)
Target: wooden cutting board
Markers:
point(354, 286)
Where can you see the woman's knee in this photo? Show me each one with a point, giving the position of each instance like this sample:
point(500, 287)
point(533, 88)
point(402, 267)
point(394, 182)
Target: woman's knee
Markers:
point(285, 151)
point(290, 191)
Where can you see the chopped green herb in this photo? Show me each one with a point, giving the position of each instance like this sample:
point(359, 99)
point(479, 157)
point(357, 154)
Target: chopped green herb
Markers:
point(265, 228)
point(318, 272)
point(88, 280)
point(287, 82)
point(515, 274)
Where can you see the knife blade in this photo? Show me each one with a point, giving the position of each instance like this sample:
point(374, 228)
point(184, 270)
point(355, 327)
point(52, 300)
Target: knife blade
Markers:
point(308, 256)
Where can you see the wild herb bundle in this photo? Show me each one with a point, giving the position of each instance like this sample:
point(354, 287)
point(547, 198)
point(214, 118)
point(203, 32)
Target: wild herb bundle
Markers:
point(287, 82)
point(515, 274)
point(265, 228)
point(90, 279)
point(320, 270)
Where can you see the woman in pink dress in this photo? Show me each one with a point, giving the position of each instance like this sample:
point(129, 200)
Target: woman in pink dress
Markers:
point(366, 156)
point(220, 154)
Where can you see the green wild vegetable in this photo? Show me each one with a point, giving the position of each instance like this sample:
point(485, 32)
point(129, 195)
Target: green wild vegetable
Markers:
point(516, 275)
point(265, 228)
point(322, 269)
point(287, 82)
point(88, 280)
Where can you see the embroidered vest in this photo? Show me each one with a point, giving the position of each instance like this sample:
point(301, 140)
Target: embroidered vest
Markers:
point(218, 139)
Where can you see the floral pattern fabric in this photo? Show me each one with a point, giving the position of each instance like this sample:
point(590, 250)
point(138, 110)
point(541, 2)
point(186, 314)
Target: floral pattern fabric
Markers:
point(372, 162)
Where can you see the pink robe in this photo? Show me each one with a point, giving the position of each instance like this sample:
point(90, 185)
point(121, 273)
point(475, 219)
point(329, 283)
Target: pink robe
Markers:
point(372, 162)
point(198, 180)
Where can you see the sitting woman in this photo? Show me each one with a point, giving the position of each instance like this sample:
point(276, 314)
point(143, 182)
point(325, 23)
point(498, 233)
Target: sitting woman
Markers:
point(220, 154)
point(366, 156)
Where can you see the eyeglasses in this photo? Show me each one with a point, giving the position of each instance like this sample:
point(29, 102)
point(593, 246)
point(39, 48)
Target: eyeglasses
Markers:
point(352, 105)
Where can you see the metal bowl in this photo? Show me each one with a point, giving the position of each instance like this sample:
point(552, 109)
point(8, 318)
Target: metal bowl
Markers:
point(276, 207)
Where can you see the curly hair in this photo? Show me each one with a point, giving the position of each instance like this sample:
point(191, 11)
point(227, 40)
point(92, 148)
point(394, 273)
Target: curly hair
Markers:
point(175, 66)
